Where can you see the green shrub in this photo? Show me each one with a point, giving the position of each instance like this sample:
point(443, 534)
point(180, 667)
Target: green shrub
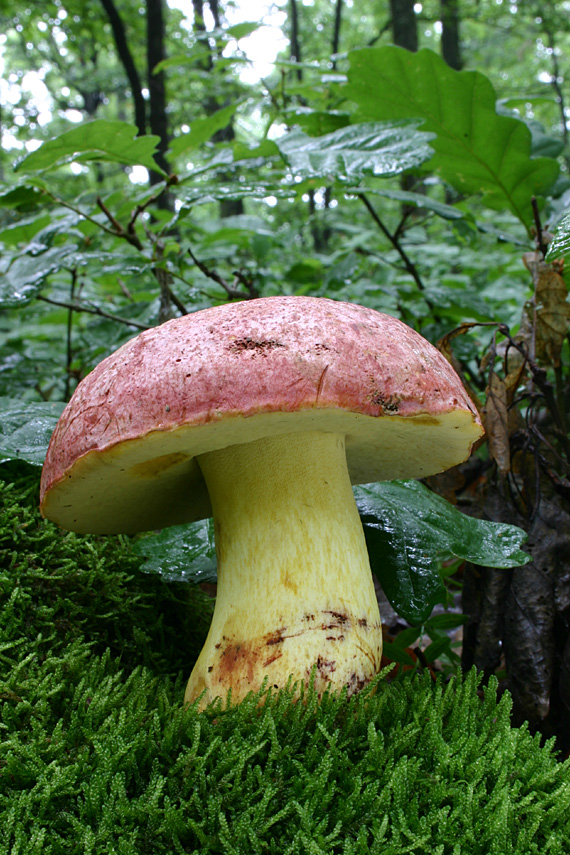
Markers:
point(97, 754)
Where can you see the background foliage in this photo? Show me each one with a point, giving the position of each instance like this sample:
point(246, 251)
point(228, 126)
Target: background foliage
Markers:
point(148, 171)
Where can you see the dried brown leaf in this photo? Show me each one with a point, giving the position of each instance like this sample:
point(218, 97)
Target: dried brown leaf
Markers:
point(496, 421)
point(550, 308)
point(444, 347)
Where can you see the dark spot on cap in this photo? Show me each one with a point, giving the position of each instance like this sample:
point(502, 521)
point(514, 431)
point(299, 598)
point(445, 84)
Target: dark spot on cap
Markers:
point(243, 344)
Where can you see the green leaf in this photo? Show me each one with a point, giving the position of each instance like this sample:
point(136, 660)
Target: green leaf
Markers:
point(201, 54)
point(23, 196)
point(26, 429)
point(193, 57)
point(265, 149)
point(181, 553)
point(434, 650)
point(522, 100)
point(407, 637)
point(370, 148)
point(233, 190)
point(449, 620)
point(23, 277)
point(222, 159)
point(242, 30)
point(476, 150)
point(560, 245)
point(25, 230)
point(407, 528)
point(543, 143)
point(99, 140)
point(310, 270)
point(125, 263)
point(397, 654)
point(202, 130)
point(407, 573)
point(317, 122)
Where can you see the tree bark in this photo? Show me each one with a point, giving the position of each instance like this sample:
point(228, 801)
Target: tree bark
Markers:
point(228, 207)
point(405, 34)
point(336, 31)
point(200, 30)
point(1, 152)
point(404, 24)
point(215, 10)
point(295, 52)
point(450, 44)
point(120, 38)
point(157, 96)
point(550, 27)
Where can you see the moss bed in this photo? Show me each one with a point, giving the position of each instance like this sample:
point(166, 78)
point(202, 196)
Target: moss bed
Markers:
point(97, 754)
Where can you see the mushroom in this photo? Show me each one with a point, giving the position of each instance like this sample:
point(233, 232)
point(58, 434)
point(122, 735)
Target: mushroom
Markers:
point(262, 413)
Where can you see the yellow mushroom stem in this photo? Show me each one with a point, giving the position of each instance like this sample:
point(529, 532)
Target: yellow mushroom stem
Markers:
point(295, 589)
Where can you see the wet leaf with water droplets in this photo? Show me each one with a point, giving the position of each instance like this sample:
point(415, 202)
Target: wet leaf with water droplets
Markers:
point(181, 553)
point(369, 148)
point(26, 429)
point(408, 528)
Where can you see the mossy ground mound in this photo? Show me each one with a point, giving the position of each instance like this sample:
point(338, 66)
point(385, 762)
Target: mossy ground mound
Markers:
point(97, 754)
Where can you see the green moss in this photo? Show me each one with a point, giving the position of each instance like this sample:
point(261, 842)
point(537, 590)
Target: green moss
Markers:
point(57, 586)
point(98, 755)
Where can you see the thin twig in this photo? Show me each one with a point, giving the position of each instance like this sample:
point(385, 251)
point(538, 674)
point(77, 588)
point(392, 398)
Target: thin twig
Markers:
point(140, 209)
point(403, 220)
point(128, 234)
point(232, 292)
point(111, 217)
point(92, 310)
point(69, 350)
point(560, 397)
point(125, 290)
point(164, 278)
point(272, 97)
point(81, 213)
point(540, 377)
point(542, 247)
point(408, 263)
point(178, 303)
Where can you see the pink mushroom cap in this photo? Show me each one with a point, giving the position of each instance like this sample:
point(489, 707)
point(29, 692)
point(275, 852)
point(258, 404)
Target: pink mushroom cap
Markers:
point(122, 456)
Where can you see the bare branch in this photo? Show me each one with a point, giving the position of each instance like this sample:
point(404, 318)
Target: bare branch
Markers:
point(232, 292)
point(69, 348)
point(408, 263)
point(164, 279)
point(81, 213)
point(126, 57)
point(93, 310)
point(128, 234)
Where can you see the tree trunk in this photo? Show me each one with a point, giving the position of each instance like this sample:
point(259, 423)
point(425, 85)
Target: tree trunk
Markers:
point(228, 207)
point(128, 62)
point(295, 52)
point(405, 34)
point(336, 32)
point(157, 96)
point(552, 29)
point(450, 46)
point(215, 10)
point(404, 24)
